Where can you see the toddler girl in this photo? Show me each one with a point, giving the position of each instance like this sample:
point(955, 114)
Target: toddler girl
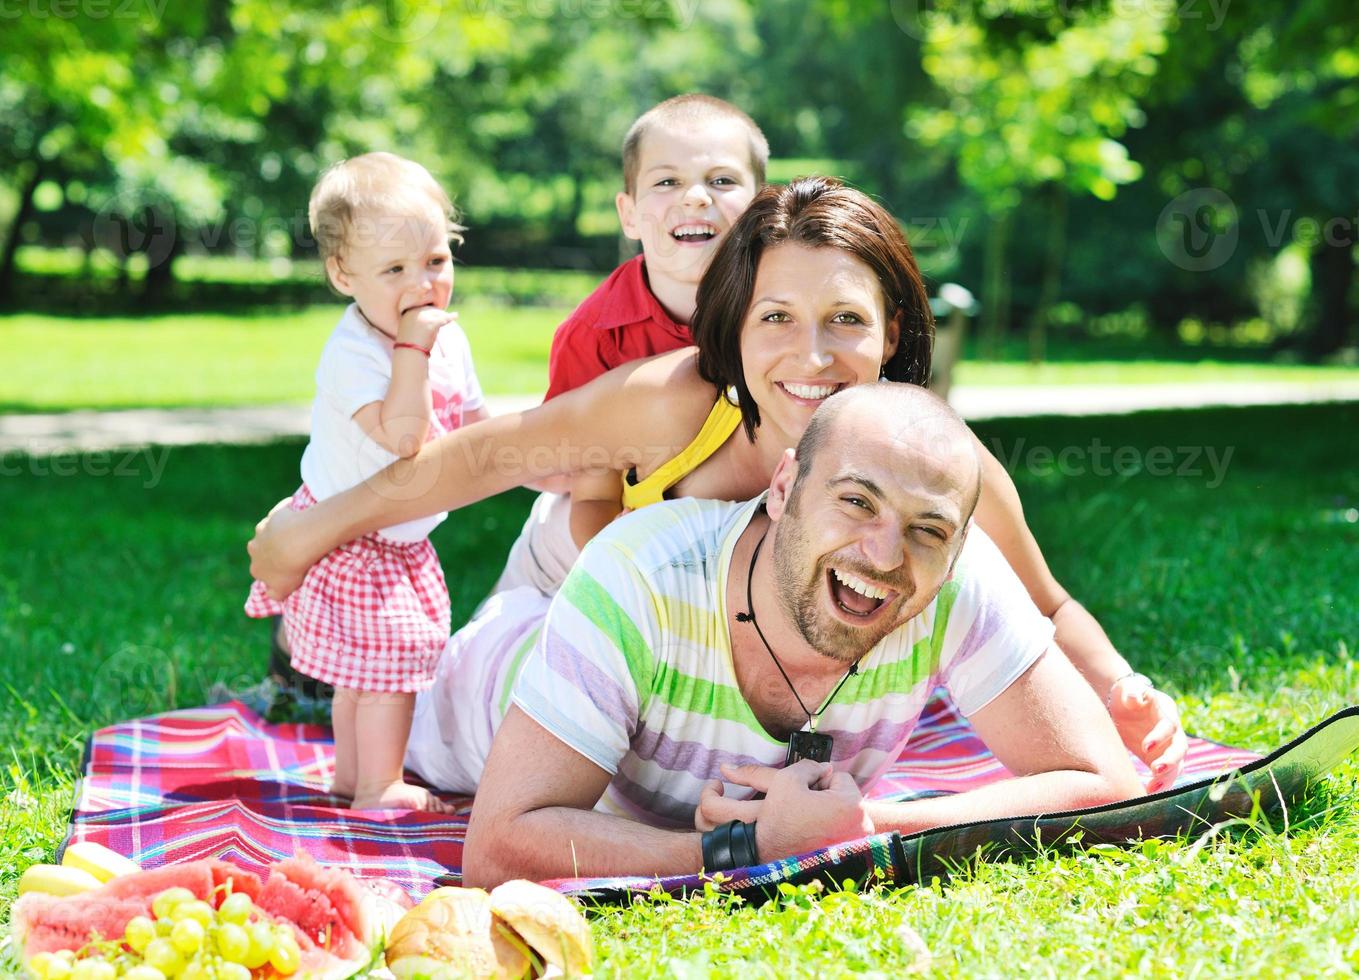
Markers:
point(373, 616)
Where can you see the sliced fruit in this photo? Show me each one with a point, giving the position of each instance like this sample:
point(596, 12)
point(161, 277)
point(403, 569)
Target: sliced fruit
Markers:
point(97, 860)
point(54, 879)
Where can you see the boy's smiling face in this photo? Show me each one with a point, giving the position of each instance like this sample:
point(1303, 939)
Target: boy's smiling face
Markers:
point(692, 184)
point(395, 263)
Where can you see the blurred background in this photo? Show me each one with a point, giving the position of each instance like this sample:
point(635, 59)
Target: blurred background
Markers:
point(1127, 187)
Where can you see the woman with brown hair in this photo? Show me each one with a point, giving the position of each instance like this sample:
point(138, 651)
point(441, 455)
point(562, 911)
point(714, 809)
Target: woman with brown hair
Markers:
point(814, 289)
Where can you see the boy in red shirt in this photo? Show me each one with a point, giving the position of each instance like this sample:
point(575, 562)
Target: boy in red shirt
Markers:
point(691, 166)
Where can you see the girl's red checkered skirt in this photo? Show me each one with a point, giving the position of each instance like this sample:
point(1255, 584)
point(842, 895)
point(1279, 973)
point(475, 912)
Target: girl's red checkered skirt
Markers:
point(372, 615)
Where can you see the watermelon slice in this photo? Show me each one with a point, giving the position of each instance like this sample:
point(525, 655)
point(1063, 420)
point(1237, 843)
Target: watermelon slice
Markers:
point(334, 918)
point(47, 923)
point(337, 921)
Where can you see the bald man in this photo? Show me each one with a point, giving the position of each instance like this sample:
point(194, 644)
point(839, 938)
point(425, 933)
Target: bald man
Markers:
point(718, 684)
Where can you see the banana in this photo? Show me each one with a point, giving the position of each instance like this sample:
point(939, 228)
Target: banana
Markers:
point(53, 879)
point(97, 860)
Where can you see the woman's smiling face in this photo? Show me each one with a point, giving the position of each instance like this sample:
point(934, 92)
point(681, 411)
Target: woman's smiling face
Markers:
point(816, 324)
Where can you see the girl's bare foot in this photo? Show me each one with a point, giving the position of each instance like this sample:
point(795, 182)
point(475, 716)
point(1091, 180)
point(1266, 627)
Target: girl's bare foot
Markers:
point(401, 796)
point(342, 787)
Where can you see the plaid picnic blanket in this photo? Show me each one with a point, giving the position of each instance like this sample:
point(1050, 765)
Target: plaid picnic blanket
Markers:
point(219, 782)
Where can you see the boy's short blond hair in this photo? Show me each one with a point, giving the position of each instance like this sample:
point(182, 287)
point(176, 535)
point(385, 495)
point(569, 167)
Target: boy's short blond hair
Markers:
point(689, 109)
point(373, 187)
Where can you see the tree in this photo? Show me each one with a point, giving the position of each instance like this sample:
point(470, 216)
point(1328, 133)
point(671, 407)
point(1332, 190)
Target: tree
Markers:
point(1036, 105)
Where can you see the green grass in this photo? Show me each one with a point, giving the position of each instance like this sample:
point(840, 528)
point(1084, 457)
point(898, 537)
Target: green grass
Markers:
point(1136, 372)
point(117, 600)
point(269, 356)
point(253, 358)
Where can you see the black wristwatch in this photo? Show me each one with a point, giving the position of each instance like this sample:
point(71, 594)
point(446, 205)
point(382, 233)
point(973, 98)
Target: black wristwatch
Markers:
point(732, 845)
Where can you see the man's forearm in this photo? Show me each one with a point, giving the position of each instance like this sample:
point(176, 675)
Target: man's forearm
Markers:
point(561, 842)
point(1046, 792)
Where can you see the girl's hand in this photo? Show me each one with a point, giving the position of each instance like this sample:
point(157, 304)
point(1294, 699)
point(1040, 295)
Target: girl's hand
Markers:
point(422, 325)
point(1149, 724)
point(269, 558)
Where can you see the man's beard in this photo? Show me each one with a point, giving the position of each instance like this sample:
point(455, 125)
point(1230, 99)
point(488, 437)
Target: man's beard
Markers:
point(801, 599)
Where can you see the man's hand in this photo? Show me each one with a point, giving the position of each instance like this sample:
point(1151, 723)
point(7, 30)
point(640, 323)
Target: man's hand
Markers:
point(805, 806)
point(269, 554)
point(1149, 724)
point(422, 324)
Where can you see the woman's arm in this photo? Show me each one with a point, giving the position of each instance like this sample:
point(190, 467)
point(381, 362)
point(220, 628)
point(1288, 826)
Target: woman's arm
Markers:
point(596, 499)
point(1147, 720)
point(609, 423)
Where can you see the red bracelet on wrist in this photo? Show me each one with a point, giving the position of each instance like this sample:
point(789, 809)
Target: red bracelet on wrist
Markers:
point(402, 343)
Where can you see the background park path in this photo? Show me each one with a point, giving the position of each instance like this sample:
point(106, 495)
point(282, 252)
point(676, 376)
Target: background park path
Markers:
point(88, 431)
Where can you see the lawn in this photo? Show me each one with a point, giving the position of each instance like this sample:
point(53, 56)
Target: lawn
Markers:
point(269, 356)
point(1234, 584)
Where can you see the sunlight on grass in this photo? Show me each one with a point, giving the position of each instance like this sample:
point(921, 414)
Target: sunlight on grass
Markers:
point(215, 359)
point(267, 357)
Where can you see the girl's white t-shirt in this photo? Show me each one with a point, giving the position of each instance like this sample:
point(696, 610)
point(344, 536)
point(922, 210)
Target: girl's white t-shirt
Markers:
point(356, 370)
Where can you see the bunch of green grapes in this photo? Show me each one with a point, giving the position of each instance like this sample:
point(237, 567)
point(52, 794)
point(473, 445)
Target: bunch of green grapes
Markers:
point(186, 939)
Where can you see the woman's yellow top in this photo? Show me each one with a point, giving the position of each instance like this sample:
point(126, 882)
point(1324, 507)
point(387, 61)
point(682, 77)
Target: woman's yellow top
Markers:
point(717, 429)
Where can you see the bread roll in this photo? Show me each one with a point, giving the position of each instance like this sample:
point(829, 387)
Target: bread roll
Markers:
point(549, 922)
point(452, 934)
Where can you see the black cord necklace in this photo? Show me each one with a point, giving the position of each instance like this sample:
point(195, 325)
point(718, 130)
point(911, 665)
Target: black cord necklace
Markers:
point(810, 744)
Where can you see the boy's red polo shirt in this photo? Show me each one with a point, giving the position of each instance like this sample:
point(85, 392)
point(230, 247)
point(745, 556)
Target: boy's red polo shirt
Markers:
point(619, 322)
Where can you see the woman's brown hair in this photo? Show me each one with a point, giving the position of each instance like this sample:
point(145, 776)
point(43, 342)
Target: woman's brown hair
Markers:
point(818, 212)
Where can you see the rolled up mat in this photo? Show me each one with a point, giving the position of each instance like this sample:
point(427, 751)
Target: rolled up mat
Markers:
point(1271, 783)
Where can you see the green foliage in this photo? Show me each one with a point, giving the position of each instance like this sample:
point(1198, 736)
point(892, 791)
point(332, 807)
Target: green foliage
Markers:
point(994, 130)
point(1046, 109)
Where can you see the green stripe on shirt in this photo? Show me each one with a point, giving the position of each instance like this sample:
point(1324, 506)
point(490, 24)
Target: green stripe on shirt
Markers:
point(592, 600)
point(901, 676)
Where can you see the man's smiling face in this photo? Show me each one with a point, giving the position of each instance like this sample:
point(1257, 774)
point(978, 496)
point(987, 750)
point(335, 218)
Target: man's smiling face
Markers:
point(868, 532)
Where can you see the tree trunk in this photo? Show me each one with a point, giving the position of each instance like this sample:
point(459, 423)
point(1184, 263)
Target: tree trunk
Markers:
point(9, 250)
point(160, 268)
point(1332, 278)
point(1054, 257)
point(995, 300)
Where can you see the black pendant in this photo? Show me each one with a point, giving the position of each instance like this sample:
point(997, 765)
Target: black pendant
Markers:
point(809, 745)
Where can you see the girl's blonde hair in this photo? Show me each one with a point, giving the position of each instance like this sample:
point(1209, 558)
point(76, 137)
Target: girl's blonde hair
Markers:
point(373, 187)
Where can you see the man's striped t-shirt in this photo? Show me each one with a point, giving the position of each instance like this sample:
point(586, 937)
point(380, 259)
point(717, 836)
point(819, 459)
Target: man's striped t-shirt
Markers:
point(632, 667)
